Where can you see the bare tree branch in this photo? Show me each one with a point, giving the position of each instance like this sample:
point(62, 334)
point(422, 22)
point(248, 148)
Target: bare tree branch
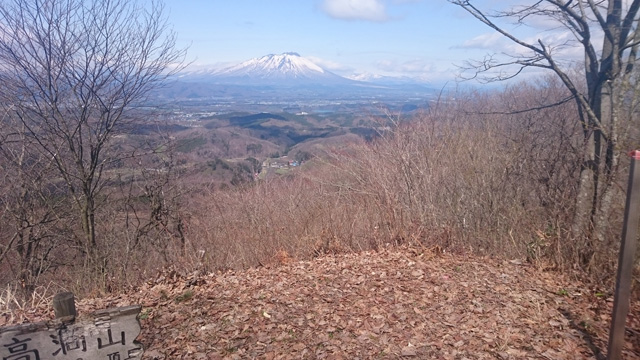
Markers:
point(74, 71)
point(608, 71)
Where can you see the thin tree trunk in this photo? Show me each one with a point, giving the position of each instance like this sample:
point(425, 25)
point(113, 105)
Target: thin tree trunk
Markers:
point(586, 190)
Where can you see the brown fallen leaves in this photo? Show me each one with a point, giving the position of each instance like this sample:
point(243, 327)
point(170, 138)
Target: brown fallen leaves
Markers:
point(395, 303)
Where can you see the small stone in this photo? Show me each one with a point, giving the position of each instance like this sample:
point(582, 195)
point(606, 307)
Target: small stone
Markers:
point(409, 351)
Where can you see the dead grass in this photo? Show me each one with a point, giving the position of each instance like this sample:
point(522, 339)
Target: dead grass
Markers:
point(12, 301)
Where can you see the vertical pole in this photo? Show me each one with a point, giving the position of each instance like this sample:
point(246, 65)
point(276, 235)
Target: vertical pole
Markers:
point(625, 260)
point(64, 304)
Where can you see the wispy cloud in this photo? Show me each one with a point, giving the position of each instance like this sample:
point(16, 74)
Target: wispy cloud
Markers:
point(428, 70)
point(560, 42)
point(368, 10)
point(413, 66)
point(492, 40)
point(330, 65)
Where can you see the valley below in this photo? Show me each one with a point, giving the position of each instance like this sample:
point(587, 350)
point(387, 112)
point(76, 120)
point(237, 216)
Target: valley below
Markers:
point(248, 134)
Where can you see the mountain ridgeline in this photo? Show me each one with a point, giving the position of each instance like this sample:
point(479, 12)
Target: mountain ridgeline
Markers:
point(286, 75)
point(283, 69)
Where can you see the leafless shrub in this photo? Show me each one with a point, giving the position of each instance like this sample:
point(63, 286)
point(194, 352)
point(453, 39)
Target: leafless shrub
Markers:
point(475, 174)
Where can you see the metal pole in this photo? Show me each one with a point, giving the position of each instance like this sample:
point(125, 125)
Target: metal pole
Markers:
point(625, 260)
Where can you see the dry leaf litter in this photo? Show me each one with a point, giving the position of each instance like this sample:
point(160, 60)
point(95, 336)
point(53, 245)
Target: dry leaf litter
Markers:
point(390, 304)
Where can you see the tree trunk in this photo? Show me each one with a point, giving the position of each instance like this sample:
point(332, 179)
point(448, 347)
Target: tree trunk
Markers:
point(88, 226)
point(595, 195)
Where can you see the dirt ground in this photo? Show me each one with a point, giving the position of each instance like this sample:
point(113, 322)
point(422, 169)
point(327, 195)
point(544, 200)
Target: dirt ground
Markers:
point(394, 303)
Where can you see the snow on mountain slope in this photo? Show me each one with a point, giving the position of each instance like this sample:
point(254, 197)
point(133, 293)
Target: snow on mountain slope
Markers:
point(288, 67)
point(276, 65)
point(289, 71)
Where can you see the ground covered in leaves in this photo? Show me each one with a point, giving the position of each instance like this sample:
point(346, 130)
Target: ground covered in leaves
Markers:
point(395, 303)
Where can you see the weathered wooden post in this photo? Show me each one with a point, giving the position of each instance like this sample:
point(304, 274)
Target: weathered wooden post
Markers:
point(64, 304)
point(625, 260)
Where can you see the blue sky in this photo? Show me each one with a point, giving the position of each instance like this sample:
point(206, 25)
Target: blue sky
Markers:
point(417, 38)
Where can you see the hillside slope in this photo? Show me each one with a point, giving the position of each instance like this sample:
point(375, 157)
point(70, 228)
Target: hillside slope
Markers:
point(393, 303)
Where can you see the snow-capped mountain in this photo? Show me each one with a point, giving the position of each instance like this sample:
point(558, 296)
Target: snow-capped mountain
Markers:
point(285, 75)
point(276, 66)
point(276, 69)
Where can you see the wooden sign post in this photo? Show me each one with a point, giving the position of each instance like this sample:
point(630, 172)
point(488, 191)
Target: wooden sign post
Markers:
point(104, 335)
point(64, 304)
point(625, 260)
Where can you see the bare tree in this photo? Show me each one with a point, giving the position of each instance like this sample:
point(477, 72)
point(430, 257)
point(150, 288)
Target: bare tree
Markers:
point(608, 35)
point(73, 74)
point(32, 217)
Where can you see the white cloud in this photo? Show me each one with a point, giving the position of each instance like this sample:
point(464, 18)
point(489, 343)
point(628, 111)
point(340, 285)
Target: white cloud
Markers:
point(560, 42)
point(332, 66)
point(413, 66)
point(492, 40)
point(435, 72)
point(369, 10)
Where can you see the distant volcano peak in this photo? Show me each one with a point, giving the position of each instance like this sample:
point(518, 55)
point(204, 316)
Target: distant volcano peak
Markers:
point(288, 67)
